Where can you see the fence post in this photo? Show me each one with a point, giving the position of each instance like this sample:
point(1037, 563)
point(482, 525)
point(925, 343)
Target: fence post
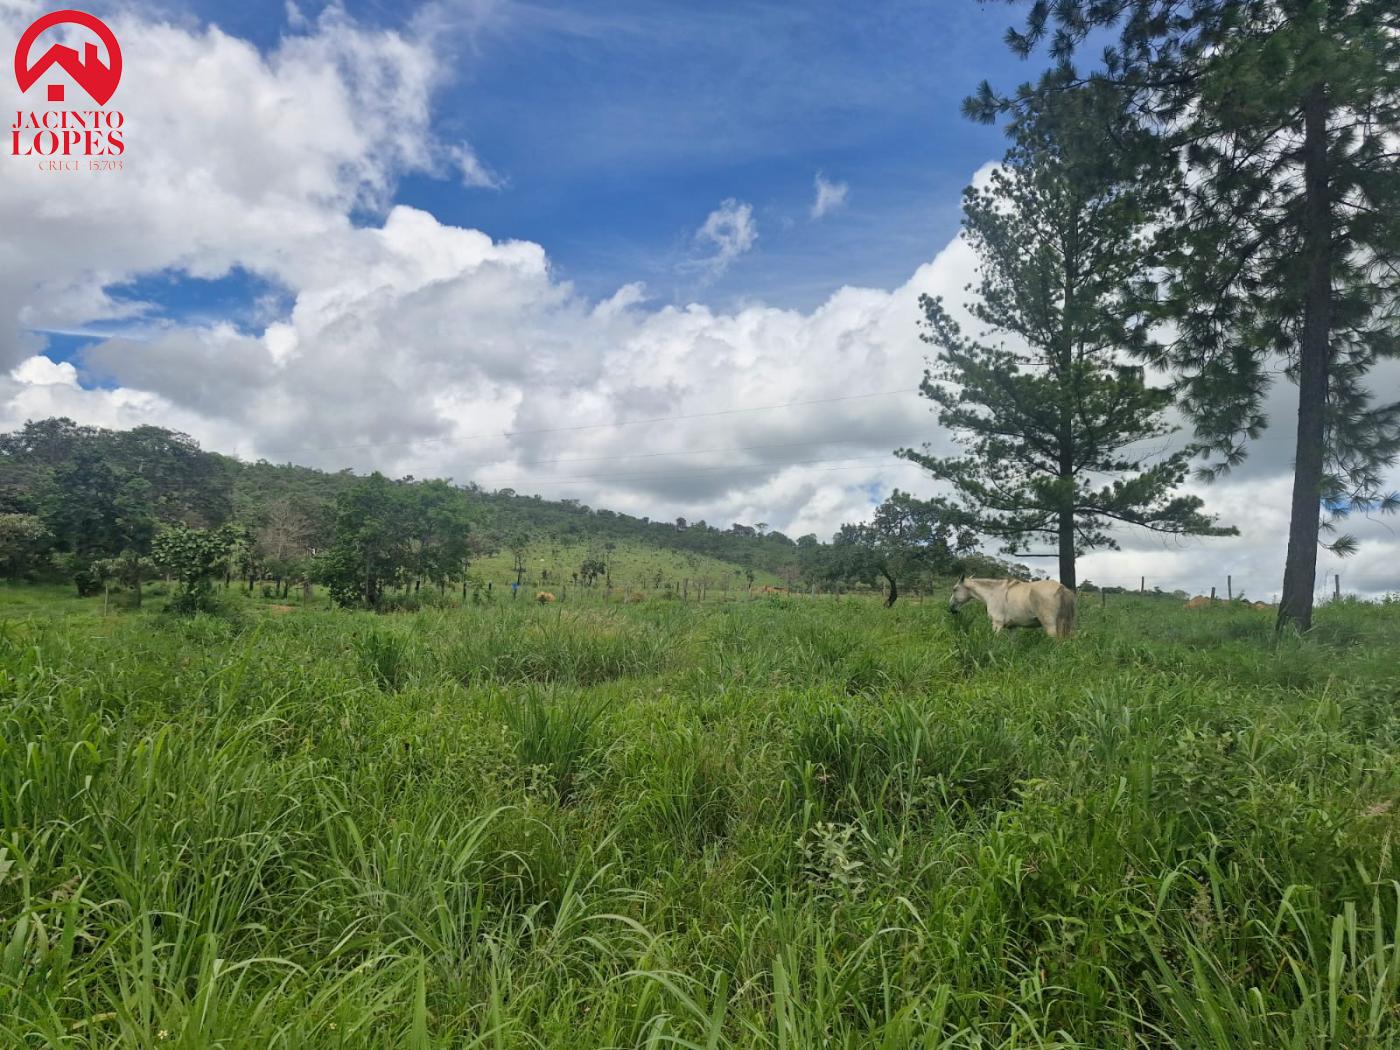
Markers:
point(1212, 596)
point(1336, 586)
point(1229, 589)
point(1142, 585)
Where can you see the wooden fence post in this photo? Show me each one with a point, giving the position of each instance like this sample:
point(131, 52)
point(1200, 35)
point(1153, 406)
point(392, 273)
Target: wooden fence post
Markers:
point(1229, 589)
point(1212, 596)
point(1336, 586)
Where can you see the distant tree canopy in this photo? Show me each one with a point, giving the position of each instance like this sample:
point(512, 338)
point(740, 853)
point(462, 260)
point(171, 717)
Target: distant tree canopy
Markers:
point(92, 495)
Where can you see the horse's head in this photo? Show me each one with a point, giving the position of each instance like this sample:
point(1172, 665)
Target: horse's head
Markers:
point(961, 594)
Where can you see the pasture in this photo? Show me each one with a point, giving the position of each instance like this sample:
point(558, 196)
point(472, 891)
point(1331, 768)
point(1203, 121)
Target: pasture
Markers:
point(780, 823)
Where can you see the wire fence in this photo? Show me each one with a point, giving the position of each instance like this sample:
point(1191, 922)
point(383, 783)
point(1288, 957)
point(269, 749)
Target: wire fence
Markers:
point(556, 588)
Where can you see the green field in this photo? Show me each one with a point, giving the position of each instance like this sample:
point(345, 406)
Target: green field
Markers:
point(775, 823)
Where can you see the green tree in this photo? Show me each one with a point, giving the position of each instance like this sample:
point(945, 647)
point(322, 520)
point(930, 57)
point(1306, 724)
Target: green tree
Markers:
point(24, 543)
point(519, 547)
point(194, 557)
point(1053, 415)
point(130, 569)
point(371, 549)
point(592, 567)
point(440, 523)
point(1283, 249)
point(905, 539)
point(185, 483)
point(95, 511)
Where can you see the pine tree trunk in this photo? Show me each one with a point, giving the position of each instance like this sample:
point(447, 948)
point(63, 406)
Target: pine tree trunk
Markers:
point(1067, 567)
point(1069, 378)
point(1300, 569)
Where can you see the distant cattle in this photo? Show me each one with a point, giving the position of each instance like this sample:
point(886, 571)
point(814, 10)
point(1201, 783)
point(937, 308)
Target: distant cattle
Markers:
point(1199, 602)
point(1262, 605)
point(544, 598)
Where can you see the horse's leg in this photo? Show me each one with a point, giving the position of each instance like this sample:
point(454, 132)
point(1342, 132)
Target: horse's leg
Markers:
point(997, 625)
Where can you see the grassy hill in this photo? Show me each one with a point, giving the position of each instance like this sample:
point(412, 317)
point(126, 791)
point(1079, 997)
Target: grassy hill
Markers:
point(676, 550)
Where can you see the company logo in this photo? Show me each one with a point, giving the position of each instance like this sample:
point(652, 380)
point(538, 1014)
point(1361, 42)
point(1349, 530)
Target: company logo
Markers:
point(57, 137)
point(98, 80)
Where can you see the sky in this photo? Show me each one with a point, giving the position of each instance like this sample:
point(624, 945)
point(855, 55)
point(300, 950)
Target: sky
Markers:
point(659, 257)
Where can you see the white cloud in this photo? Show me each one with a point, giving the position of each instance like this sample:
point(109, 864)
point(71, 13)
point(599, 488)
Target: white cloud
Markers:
point(831, 196)
point(474, 173)
point(727, 233)
point(414, 346)
point(40, 371)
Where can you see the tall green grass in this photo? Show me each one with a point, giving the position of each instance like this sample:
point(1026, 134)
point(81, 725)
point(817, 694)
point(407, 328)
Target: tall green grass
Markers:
point(781, 823)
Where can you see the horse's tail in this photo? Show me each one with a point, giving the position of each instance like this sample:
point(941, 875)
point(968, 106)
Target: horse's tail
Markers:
point(1064, 619)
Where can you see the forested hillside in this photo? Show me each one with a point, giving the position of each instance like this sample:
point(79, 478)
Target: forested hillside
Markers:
point(87, 505)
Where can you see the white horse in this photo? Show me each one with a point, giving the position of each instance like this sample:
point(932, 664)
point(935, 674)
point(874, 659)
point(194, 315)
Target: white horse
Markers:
point(1015, 603)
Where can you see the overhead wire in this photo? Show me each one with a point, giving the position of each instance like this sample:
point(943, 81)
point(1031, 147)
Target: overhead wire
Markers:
point(593, 426)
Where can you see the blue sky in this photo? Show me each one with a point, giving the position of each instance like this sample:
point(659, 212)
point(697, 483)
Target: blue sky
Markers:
point(616, 127)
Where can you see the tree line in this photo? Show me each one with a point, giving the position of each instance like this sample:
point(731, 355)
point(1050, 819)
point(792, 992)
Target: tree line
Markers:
point(98, 508)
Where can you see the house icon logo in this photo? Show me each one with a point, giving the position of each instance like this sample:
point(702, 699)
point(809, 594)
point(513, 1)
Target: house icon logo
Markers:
point(97, 78)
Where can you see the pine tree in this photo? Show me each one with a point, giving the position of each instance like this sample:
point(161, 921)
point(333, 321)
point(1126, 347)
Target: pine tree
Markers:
point(1055, 419)
point(1284, 250)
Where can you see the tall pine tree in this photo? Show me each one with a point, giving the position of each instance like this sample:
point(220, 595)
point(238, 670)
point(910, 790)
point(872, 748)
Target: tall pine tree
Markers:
point(1061, 431)
point(1284, 250)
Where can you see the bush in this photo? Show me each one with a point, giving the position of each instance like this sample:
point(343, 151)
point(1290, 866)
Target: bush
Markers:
point(188, 601)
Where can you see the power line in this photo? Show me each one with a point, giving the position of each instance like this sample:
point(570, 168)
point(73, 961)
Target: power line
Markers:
point(597, 426)
point(761, 468)
point(677, 452)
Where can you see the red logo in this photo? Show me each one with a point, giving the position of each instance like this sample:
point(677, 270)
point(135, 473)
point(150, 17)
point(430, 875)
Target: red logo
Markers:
point(98, 80)
point(57, 138)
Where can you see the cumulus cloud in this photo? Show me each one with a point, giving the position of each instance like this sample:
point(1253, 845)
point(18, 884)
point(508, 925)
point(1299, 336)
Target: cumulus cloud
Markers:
point(40, 371)
point(831, 196)
point(414, 346)
point(727, 233)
